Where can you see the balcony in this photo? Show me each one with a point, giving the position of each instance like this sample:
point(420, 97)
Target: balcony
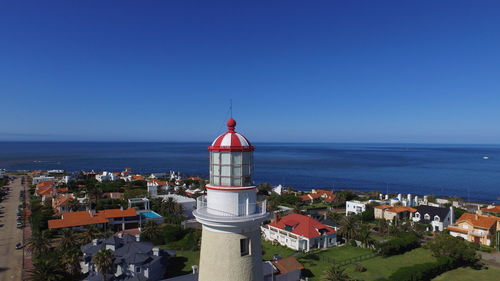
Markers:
point(243, 212)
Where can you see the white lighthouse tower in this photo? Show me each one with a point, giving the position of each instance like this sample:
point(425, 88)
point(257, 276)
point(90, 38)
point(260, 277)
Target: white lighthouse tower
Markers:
point(230, 213)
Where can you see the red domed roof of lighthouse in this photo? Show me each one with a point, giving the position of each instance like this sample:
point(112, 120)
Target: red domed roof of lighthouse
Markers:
point(230, 140)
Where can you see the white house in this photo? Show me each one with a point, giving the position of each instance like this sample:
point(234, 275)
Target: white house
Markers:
point(354, 207)
point(278, 189)
point(300, 233)
point(154, 185)
point(438, 218)
point(37, 180)
point(106, 176)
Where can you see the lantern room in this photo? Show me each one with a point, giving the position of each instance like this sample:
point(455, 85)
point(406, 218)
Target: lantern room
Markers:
point(231, 158)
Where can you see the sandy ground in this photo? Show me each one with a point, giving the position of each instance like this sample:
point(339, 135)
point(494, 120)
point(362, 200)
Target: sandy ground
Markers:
point(10, 259)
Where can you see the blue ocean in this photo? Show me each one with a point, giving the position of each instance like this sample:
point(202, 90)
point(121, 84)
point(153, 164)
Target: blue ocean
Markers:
point(452, 170)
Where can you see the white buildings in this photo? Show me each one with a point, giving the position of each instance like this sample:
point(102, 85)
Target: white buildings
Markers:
point(354, 207)
point(37, 180)
point(106, 176)
point(154, 185)
point(300, 233)
point(2, 173)
point(230, 213)
point(278, 189)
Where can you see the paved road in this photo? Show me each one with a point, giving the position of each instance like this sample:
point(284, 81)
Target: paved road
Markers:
point(10, 258)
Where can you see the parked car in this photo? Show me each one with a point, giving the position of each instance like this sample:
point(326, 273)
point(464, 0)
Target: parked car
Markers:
point(18, 246)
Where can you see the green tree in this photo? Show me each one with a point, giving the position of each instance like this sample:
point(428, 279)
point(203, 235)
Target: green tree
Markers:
point(47, 270)
point(335, 273)
point(364, 235)
point(67, 239)
point(103, 261)
point(152, 232)
point(91, 232)
point(459, 250)
point(70, 259)
point(348, 227)
point(38, 244)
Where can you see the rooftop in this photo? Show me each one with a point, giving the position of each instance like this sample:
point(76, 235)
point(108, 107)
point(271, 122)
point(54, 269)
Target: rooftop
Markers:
point(302, 225)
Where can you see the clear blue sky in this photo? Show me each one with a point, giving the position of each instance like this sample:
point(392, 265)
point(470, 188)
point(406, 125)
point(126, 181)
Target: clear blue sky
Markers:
point(322, 71)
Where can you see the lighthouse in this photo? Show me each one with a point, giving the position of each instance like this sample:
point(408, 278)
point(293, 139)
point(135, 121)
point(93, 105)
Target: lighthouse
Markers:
point(230, 213)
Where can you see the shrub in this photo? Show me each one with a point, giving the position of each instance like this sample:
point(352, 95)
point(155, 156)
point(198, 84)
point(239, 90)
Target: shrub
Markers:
point(359, 268)
point(399, 245)
point(423, 271)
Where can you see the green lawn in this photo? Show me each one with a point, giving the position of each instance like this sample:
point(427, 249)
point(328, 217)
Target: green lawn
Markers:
point(318, 262)
point(469, 274)
point(269, 250)
point(383, 267)
point(181, 264)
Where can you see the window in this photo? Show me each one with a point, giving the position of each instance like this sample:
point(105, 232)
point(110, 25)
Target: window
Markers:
point(137, 269)
point(427, 217)
point(245, 246)
point(436, 218)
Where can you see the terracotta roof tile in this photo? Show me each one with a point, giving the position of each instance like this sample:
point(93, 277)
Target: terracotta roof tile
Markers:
point(82, 218)
point(491, 209)
point(302, 225)
point(287, 264)
point(479, 221)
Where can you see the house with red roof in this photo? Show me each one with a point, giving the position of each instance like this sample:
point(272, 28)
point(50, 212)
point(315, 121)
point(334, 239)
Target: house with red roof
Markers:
point(476, 228)
point(318, 195)
point(491, 210)
point(300, 233)
point(117, 219)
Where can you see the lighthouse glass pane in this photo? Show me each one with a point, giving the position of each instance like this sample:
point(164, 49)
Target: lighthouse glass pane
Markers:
point(225, 182)
point(247, 157)
point(215, 180)
point(236, 171)
point(226, 171)
point(225, 158)
point(245, 170)
point(237, 158)
point(215, 158)
point(236, 182)
point(216, 170)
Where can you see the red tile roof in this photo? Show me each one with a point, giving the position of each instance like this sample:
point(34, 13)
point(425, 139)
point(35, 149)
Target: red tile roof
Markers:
point(486, 222)
point(327, 195)
point(45, 184)
point(302, 225)
point(287, 264)
point(82, 218)
point(491, 209)
point(457, 229)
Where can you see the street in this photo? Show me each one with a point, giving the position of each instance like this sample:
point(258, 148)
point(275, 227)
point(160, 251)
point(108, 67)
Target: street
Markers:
point(10, 259)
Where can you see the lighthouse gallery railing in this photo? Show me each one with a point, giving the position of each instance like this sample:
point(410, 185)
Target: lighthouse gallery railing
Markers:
point(246, 209)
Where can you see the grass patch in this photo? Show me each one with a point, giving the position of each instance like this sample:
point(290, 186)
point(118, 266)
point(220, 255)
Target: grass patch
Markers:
point(316, 263)
point(492, 273)
point(269, 250)
point(380, 267)
point(182, 262)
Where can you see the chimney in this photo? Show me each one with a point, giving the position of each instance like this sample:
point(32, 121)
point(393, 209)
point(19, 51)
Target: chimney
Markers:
point(94, 242)
point(276, 217)
point(120, 234)
point(138, 237)
point(452, 215)
point(156, 251)
point(91, 212)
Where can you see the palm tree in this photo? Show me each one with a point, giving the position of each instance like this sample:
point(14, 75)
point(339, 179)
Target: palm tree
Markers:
point(71, 261)
point(364, 236)
point(38, 244)
point(335, 273)
point(103, 261)
point(46, 270)
point(90, 233)
point(151, 231)
point(67, 239)
point(383, 226)
point(348, 227)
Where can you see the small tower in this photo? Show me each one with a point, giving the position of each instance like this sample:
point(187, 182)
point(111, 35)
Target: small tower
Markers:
point(230, 214)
